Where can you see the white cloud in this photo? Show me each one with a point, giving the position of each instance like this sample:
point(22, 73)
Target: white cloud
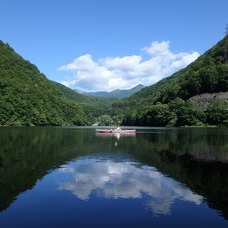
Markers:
point(125, 72)
point(158, 48)
point(113, 179)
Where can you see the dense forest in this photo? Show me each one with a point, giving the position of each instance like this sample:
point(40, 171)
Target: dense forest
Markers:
point(28, 98)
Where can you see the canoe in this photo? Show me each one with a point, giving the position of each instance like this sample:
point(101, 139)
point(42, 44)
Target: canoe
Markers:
point(120, 131)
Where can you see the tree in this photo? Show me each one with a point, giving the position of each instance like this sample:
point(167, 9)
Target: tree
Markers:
point(104, 120)
point(217, 113)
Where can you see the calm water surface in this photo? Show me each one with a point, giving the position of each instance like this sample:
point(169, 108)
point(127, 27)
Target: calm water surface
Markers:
point(71, 177)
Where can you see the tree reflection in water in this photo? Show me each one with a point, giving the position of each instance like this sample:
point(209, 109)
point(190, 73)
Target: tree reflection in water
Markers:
point(194, 159)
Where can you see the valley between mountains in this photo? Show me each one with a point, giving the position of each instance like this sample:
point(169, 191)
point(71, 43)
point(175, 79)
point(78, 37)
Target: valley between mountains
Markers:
point(194, 96)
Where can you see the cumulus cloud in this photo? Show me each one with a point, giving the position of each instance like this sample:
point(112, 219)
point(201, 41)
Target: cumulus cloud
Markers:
point(110, 73)
point(112, 179)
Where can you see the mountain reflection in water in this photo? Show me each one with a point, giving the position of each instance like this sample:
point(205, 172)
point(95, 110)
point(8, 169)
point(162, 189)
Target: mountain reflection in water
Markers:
point(51, 177)
point(125, 179)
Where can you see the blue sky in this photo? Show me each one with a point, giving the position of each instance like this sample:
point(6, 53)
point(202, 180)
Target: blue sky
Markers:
point(104, 44)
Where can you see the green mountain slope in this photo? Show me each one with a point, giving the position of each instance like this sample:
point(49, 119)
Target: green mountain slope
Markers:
point(27, 97)
point(93, 106)
point(208, 74)
point(117, 93)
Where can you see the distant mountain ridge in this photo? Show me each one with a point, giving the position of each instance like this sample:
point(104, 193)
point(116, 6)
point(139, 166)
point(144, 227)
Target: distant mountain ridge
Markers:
point(117, 93)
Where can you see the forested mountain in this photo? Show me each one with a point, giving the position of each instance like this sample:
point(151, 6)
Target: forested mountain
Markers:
point(166, 102)
point(27, 97)
point(117, 93)
point(92, 106)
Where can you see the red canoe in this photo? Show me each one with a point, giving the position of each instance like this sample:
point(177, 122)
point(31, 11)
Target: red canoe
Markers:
point(116, 130)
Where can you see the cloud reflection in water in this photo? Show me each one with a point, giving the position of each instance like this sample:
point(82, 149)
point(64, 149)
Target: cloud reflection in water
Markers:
point(115, 179)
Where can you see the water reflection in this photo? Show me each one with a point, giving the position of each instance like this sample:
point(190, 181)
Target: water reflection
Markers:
point(197, 158)
point(109, 178)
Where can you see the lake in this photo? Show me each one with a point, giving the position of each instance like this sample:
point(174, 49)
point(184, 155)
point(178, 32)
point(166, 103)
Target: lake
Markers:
point(73, 177)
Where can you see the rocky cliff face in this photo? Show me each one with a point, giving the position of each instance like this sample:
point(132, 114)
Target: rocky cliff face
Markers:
point(205, 99)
